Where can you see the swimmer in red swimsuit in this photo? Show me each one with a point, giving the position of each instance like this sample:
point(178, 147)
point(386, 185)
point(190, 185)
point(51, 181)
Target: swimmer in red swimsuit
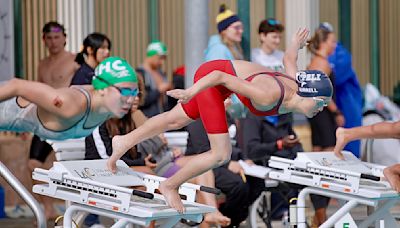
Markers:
point(264, 92)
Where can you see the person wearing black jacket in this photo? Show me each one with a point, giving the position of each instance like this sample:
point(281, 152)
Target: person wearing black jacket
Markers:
point(239, 194)
point(98, 146)
point(268, 136)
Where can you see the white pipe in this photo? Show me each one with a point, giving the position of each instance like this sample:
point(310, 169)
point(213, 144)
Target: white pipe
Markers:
point(25, 195)
point(75, 208)
point(339, 214)
point(301, 204)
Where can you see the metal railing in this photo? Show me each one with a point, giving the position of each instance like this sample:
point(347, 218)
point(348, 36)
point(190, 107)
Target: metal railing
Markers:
point(25, 195)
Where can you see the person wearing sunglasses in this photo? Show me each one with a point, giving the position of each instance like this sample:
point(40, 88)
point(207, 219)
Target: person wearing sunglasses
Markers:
point(268, 54)
point(324, 124)
point(264, 92)
point(71, 112)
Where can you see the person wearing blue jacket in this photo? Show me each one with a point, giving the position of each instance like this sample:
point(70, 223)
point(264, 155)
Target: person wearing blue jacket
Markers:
point(348, 92)
point(226, 44)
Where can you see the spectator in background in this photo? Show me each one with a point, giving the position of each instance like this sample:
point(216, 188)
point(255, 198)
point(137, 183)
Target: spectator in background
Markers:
point(348, 91)
point(155, 80)
point(55, 70)
point(325, 123)
point(240, 193)
point(96, 47)
point(266, 136)
point(178, 82)
point(270, 32)
point(226, 44)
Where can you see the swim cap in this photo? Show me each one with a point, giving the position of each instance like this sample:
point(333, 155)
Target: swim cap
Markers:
point(326, 26)
point(111, 71)
point(225, 18)
point(156, 48)
point(313, 83)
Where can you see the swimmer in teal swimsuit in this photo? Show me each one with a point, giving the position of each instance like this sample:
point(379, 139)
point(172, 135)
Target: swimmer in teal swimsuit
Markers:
point(74, 112)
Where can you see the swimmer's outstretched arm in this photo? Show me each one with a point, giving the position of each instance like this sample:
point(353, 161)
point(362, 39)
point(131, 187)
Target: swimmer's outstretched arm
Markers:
point(44, 96)
point(290, 58)
point(379, 130)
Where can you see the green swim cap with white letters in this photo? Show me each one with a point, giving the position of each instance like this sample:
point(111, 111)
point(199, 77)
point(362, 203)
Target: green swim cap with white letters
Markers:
point(111, 71)
point(156, 48)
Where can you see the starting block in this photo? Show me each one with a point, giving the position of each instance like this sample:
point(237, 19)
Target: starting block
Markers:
point(91, 188)
point(351, 180)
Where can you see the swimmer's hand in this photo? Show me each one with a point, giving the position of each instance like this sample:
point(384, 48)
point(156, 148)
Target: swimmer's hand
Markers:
point(300, 38)
point(150, 162)
point(112, 165)
point(392, 174)
point(119, 148)
point(341, 142)
point(182, 95)
point(227, 102)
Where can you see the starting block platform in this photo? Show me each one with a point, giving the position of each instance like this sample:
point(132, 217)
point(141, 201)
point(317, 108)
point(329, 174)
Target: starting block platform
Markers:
point(351, 180)
point(91, 188)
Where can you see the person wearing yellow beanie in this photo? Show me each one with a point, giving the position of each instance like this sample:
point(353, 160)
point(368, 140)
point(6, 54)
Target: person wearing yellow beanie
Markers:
point(225, 18)
point(226, 44)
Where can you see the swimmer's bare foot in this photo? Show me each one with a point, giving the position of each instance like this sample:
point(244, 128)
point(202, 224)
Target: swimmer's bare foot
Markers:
point(392, 174)
point(171, 196)
point(217, 218)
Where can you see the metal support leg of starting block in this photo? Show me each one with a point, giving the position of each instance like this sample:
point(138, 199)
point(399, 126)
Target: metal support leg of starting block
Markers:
point(28, 198)
point(120, 223)
point(352, 202)
point(126, 218)
point(380, 214)
point(330, 222)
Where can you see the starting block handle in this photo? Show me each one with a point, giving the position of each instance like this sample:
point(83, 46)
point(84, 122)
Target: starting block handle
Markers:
point(143, 194)
point(215, 191)
point(370, 177)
